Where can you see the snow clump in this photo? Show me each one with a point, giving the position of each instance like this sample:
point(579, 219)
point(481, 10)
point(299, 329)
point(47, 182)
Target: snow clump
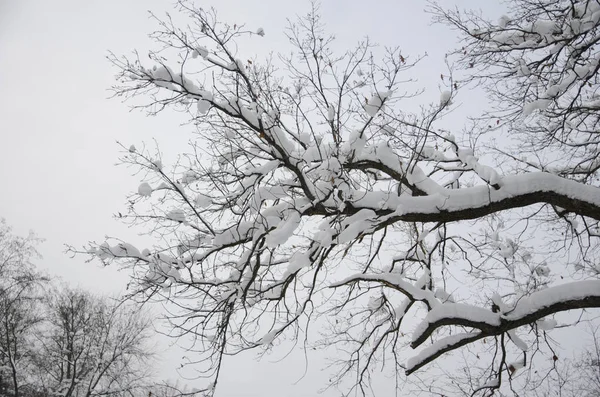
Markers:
point(145, 190)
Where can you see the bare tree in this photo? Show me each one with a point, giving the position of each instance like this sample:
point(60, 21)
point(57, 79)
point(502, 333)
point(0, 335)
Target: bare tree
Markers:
point(579, 375)
point(307, 190)
point(19, 308)
point(67, 342)
point(587, 369)
point(91, 346)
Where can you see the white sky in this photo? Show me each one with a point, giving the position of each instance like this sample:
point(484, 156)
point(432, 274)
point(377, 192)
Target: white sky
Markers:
point(58, 129)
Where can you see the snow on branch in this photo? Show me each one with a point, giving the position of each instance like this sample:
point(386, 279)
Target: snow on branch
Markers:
point(450, 205)
point(309, 171)
point(528, 310)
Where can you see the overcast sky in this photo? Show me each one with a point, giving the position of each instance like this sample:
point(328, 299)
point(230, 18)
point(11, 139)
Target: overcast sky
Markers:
point(58, 128)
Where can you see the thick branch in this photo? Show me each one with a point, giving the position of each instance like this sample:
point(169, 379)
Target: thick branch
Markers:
point(578, 295)
point(475, 202)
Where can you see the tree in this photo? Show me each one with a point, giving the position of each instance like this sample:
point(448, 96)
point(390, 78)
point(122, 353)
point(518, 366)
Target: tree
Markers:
point(588, 368)
point(307, 191)
point(539, 67)
point(20, 299)
point(92, 346)
point(65, 342)
point(580, 375)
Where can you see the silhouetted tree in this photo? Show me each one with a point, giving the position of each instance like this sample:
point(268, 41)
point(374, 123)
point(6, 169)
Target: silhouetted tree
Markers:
point(309, 189)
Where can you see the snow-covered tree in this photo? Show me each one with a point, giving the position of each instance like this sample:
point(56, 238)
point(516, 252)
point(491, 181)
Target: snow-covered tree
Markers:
point(91, 346)
point(310, 190)
point(20, 301)
point(539, 66)
point(64, 342)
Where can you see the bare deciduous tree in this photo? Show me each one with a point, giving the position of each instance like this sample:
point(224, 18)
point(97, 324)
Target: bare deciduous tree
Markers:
point(578, 376)
point(307, 190)
point(92, 347)
point(67, 343)
point(19, 308)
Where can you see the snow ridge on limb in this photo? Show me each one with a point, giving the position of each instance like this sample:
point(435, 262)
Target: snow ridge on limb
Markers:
point(528, 310)
point(396, 282)
point(517, 191)
point(440, 347)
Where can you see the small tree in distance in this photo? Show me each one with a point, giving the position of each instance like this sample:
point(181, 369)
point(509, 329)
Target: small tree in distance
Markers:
point(64, 342)
point(20, 303)
point(92, 346)
point(306, 191)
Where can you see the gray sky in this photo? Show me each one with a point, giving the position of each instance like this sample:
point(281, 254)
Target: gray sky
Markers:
point(58, 129)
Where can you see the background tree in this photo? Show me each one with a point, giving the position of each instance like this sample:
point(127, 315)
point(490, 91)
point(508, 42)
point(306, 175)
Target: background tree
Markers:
point(588, 369)
point(92, 346)
point(64, 342)
point(579, 375)
point(311, 189)
point(20, 303)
